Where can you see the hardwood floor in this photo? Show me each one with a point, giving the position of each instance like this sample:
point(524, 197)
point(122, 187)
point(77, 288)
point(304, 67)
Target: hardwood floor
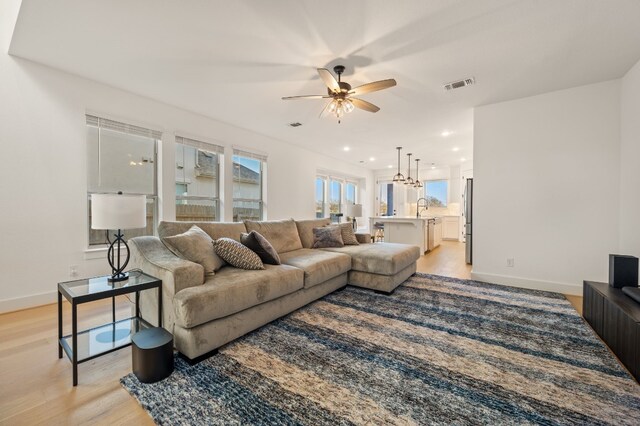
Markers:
point(36, 385)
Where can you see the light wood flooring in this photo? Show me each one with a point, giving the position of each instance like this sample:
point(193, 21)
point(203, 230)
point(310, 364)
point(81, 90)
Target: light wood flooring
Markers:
point(35, 386)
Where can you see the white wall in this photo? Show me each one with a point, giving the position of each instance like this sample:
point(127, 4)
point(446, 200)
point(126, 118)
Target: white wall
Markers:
point(546, 188)
point(43, 187)
point(630, 163)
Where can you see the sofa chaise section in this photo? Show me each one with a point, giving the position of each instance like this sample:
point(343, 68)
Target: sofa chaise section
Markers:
point(380, 266)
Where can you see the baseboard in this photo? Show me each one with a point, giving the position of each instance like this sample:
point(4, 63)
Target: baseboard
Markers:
point(564, 288)
point(25, 302)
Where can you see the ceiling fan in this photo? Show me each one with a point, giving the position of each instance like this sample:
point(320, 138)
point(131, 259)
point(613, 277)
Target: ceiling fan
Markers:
point(341, 93)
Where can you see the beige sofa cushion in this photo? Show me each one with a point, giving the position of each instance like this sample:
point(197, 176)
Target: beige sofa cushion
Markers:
point(282, 234)
point(305, 229)
point(379, 258)
point(233, 290)
point(318, 266)
point(214, 229)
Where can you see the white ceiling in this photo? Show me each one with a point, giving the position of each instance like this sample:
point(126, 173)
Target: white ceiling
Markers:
point(234, 60)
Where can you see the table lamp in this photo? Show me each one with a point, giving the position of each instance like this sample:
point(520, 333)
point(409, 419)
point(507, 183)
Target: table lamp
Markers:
point(118, 212)
point(353, 211)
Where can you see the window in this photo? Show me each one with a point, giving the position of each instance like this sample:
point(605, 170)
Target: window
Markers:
point(435, 191)
point(121, 157)
point(385, 198)
point(321, 188)
point(351, 190)
point(248, 176)
point(335, 196)
point(197, 180)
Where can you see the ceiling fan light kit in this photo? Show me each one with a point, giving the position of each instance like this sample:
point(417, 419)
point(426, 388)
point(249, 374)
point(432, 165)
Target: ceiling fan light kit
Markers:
point(341, 94)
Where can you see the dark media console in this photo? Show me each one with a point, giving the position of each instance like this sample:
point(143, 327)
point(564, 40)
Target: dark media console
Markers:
point(616, 319)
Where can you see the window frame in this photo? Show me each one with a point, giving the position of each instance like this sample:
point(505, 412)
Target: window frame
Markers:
point(323, 203)
point(426, 194)
point(262, 159)
point(210, 148)
point(134, 130)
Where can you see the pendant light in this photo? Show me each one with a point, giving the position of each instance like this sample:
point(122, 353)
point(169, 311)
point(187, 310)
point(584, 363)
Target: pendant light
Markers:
point(417, 183)
point(398, 177)
point(409, 180)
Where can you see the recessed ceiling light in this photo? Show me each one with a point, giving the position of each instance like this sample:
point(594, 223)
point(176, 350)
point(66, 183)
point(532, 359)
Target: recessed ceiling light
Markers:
point(346, 148)
point(390, 166)
point(372, 159)
point(455, 149)
point(463, 159)
point(445, 133)
point(433, 167)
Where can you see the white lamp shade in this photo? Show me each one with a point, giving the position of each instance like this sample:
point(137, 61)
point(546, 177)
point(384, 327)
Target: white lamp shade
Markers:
point(117, 211)
point(354, 210)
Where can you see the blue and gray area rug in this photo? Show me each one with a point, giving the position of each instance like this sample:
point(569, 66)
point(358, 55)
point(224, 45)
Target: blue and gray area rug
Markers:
point(438, 351)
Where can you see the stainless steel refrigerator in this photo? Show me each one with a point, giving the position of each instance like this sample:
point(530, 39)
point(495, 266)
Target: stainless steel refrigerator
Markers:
point(468, 221)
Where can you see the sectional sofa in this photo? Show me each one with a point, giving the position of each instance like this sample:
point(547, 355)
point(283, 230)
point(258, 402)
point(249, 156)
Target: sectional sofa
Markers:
point(205, 312)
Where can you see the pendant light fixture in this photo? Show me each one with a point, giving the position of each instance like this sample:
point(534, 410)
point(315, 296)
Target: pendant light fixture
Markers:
point(409, 180)
point(398, 177)
point(417, 183)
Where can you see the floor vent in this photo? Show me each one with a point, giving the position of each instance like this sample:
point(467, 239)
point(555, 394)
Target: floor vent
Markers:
point(459, 83)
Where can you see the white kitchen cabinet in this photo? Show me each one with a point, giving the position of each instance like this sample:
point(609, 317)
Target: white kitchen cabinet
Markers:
point(450, 227)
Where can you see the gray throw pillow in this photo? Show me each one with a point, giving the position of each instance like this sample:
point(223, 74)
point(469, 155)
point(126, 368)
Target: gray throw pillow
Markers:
point(348, 236)
point(328, 236)
point(260, 246)
point(235, 254)
point(196, 246)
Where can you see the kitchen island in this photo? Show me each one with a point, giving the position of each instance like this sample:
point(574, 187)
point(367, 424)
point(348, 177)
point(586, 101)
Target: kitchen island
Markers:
point(410, 230)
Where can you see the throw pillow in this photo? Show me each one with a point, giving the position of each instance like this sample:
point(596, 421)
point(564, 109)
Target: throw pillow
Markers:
point(348, 236)
point(235, 254)
point(260, 246)
point(196, 246)
point(328, 236)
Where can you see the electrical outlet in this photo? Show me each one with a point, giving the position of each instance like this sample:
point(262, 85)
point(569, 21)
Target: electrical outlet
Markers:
point(510, 262)
point(73, 271)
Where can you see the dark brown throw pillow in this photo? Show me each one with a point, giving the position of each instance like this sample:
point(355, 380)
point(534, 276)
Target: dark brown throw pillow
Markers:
point(260, 246)
point(328, 236)
point(235, 254)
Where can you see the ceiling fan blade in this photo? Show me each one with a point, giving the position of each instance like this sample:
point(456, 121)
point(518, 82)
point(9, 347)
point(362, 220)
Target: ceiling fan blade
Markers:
point(286, 98)
point(372, 87)
point(367, 106)
point(329, 79)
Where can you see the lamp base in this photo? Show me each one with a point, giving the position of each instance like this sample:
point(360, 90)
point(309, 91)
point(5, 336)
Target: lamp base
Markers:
point(119, 277)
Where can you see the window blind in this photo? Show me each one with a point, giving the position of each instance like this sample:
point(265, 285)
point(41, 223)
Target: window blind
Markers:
point(205, 146)
point(117, 126)
point(248, 154)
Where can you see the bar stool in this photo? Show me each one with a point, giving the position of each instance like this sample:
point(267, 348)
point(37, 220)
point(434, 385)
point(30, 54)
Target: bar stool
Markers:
point(378, 235)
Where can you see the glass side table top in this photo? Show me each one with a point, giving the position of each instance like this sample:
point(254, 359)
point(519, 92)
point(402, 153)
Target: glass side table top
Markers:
point(97, 285)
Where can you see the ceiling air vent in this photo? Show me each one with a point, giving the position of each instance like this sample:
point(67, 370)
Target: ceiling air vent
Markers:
point(296, 124)
point(460, 83)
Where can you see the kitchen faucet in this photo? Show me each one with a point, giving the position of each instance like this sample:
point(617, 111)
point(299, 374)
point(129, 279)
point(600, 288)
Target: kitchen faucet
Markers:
point(421, 207)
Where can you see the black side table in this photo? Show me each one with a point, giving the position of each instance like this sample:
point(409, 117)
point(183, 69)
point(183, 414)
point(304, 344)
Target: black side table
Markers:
point(81, 346)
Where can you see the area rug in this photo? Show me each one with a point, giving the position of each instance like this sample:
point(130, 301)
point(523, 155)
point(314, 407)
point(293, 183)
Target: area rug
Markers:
point(437, 351)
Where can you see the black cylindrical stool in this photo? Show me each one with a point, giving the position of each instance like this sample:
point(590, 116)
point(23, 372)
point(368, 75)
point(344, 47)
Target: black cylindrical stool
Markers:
point(152, 352)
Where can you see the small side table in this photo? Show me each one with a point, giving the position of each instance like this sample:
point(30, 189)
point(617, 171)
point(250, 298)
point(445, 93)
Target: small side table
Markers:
point(85, 345)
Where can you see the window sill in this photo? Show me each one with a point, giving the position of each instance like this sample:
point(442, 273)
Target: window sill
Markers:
point(95, 253)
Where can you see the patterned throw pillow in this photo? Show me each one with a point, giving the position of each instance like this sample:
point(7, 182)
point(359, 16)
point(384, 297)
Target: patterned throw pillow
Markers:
point(260, 246)
point(328, 236)
point(197, 246)
point(235, 254)
point(348, 236)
